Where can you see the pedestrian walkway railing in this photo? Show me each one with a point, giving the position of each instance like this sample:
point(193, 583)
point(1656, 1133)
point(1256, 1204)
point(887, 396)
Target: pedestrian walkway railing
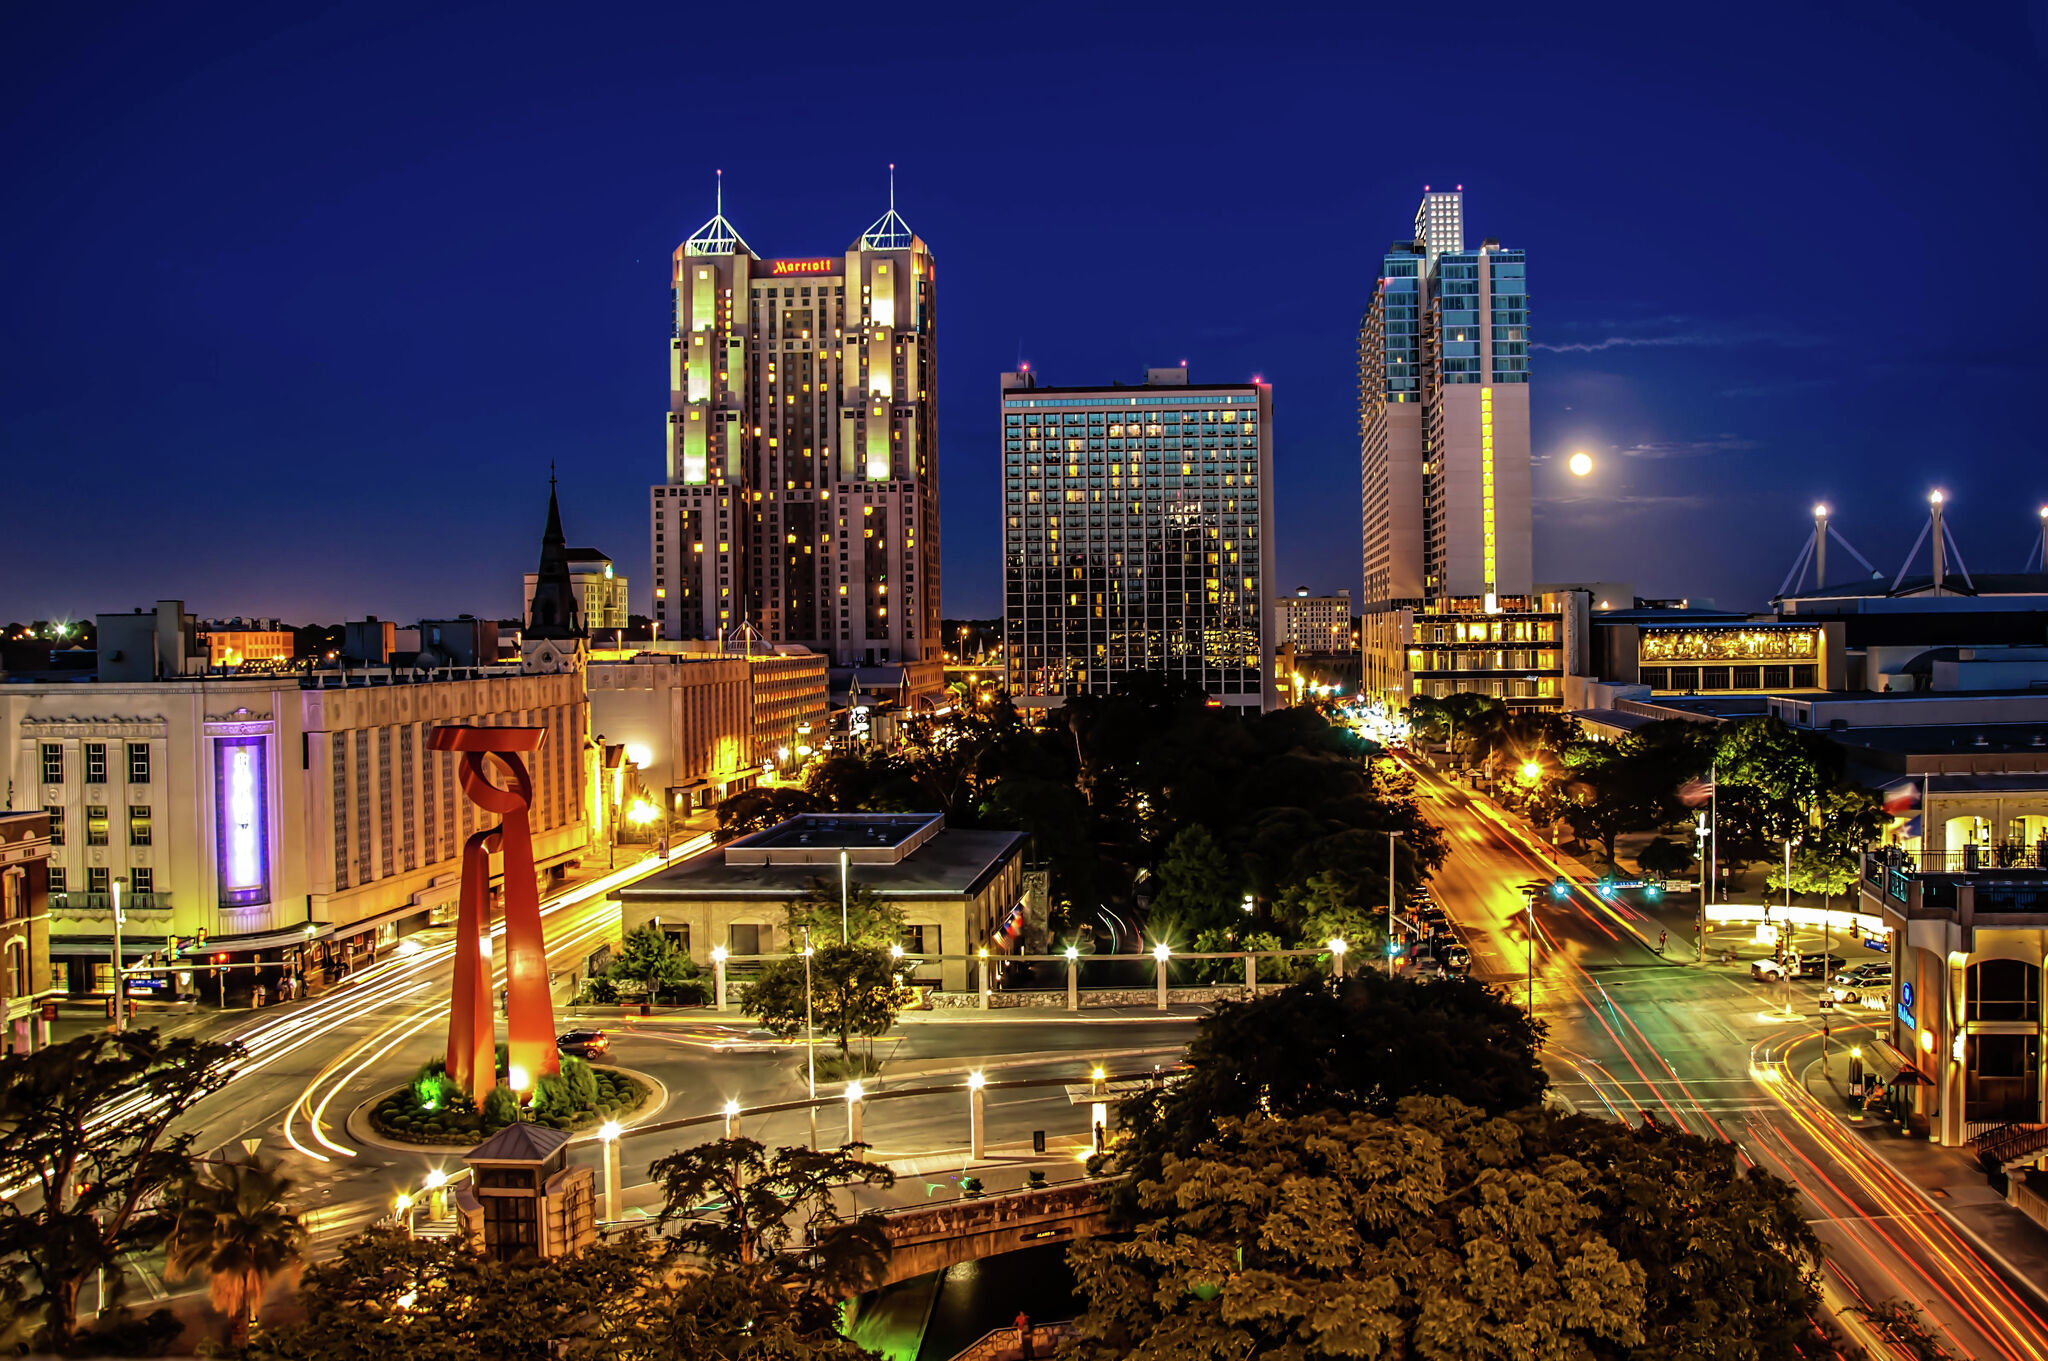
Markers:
point(1008, 1344)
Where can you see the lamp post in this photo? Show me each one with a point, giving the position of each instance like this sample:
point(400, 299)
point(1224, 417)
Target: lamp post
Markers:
point(401, 1210)
point(1337, 948)
point(718, 957)
point(981, 971)
point(1073, 978)
point(977, 1112)
point(854, 1093)
point(845, 935)
point(810, 1042)
point(1699, 924)
point(437, 1193)
point(609, 1132)
point(1529, 907)
point(1160, 954)
point(732, 1118)
point(1390, 904)
point(120, 1001)
point(1098, 1115)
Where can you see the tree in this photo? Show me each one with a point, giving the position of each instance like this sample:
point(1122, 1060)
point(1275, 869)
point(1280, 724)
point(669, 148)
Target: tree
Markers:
point(1198, 886)
point(230, 1221)
point(1362, 1045)
point(1663, 858)
point(628, 1298)
point(1436, 1230)
point(870, 918)
point(649, 963)
point(734, 1202)
point(756, 810)
point(1431, 1233)
point(1816, 872)
point(94, 1184)
point(853, 991)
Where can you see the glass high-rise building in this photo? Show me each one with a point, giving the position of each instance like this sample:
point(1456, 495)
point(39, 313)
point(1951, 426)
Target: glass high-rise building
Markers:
point(1137, 536)
point(1450, 600)
point(802, 493)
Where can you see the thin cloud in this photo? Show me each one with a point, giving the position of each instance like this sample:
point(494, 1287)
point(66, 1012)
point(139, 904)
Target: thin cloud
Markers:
point(1689, 448)
point(1618, 337)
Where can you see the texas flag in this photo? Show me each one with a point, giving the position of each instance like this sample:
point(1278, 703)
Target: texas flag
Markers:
point(1901, 799)
point(1696, 791)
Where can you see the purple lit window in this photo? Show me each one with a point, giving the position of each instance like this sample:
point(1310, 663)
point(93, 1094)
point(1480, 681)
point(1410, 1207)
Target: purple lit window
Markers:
point(241, 797)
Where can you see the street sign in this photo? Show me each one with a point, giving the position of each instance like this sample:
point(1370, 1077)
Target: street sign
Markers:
point(249, 1146)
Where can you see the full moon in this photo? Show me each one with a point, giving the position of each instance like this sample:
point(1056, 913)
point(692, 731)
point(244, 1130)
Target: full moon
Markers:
point(1581, 464)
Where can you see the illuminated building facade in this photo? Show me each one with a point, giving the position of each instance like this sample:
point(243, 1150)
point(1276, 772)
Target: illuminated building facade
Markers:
point(1315, 623)
point(242, 809)
point(1443, 364)
point(801, 493)
point(233, 643)
point(1137, 536)
point(599, 588)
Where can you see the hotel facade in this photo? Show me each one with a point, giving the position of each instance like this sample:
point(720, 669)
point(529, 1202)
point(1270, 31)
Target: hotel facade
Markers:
point(801, 489)
point(1450, 600)
point(1138, 536)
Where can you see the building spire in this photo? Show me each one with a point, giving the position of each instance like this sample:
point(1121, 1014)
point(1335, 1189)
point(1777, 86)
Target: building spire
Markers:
point(717, 236)
point(552, 612)
point(890, 231)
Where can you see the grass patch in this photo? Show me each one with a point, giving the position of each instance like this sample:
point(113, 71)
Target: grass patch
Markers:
point(833, 1068)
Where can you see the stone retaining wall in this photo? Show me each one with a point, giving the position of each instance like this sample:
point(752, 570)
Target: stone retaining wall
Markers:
point(1090, 997)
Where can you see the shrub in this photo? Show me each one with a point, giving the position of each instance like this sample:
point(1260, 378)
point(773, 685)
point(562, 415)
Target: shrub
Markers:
point(598, 991)
point(579, 1083)
point(500, 1108)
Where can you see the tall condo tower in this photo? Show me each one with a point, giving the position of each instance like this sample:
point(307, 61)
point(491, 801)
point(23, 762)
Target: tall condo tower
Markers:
point(802, 492)
point(1138, 536)
point(1443, 399)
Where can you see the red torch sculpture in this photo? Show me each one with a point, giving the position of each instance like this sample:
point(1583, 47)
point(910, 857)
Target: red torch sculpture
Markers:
point(529, 1018)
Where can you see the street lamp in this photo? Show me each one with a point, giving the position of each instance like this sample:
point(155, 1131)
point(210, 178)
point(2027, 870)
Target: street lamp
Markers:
point(977, 1112)
point(1337, 948)
point(810, 1041)
point(609, 1132)
point(854, 1093)
point(1699, 925)
point(1529, 907)
point(120, 1001)
point(1160, 954)
point(401, 1209)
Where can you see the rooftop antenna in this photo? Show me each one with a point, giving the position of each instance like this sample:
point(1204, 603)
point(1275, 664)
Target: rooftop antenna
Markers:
point(1944, 545)
point(1815, 551)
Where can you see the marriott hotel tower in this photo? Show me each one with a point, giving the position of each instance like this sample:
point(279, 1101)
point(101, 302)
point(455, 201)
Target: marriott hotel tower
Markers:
point(802, 493)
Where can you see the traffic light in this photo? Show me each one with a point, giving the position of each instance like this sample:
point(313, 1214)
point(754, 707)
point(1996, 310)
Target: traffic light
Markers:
point(1558, 889)
point(171, 950)
point(200, 942)
point(220, 959)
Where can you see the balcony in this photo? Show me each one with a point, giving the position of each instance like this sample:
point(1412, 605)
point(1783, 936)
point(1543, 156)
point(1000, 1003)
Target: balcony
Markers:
point(2016, 883)
point(70, 904)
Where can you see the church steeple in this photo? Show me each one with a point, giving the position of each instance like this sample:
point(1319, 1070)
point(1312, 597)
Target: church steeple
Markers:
point(552, 613)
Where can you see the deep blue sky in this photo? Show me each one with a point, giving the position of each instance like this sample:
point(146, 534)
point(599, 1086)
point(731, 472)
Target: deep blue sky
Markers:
point(302, 301)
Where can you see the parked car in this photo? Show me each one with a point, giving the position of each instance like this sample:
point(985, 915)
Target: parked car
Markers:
point(584, 1044)
point(1869, 983)
point(1810, 966)
point(1456, 958)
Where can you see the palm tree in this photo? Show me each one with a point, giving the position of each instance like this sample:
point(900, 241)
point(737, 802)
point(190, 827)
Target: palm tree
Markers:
point(230, 1220)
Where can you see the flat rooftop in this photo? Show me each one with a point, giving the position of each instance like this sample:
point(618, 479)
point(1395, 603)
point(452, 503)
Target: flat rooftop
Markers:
point(951, 862)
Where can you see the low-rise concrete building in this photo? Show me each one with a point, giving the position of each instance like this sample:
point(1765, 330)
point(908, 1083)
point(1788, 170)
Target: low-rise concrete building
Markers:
point(956, 887)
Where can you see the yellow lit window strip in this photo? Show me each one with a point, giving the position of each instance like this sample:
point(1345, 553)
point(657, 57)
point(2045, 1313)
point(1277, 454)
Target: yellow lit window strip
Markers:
point(1486, 477)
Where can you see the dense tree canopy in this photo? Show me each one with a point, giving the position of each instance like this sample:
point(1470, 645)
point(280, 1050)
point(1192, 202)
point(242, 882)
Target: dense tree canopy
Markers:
point(1439, 1231)
point(1362, 1045)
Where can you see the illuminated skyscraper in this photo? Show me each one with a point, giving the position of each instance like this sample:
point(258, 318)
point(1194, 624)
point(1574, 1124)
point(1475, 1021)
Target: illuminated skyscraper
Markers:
point(802, 484)
point(1443, 395)
point(1138, 536)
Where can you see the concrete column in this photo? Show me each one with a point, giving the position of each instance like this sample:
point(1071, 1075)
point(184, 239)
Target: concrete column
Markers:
point(977, 1111)
point(611, 1178)
point(1251, 974)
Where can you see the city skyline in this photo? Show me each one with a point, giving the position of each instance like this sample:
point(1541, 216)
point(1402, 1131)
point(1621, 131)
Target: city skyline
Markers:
point(343, 311)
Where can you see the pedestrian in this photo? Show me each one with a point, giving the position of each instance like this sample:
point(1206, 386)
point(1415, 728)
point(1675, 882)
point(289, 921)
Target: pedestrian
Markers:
point(1024, 1334)
point(1662, 936)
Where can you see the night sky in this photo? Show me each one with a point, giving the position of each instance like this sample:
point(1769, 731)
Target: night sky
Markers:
point(302, 301)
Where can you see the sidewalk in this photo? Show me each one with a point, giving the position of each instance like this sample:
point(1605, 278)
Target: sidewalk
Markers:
point(1950, 1180)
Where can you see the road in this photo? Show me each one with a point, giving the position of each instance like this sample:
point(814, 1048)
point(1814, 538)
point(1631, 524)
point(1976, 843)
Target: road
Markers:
point(1633, 1033)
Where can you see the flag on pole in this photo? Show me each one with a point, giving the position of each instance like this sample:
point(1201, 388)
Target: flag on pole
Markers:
point(1696, 791)
point(1901, 799)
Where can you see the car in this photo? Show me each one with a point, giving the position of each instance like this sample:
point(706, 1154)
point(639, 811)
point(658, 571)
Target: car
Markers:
point(1455, 958)
point(1810, 966)
point(584, 1044)
point(1869, 983)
